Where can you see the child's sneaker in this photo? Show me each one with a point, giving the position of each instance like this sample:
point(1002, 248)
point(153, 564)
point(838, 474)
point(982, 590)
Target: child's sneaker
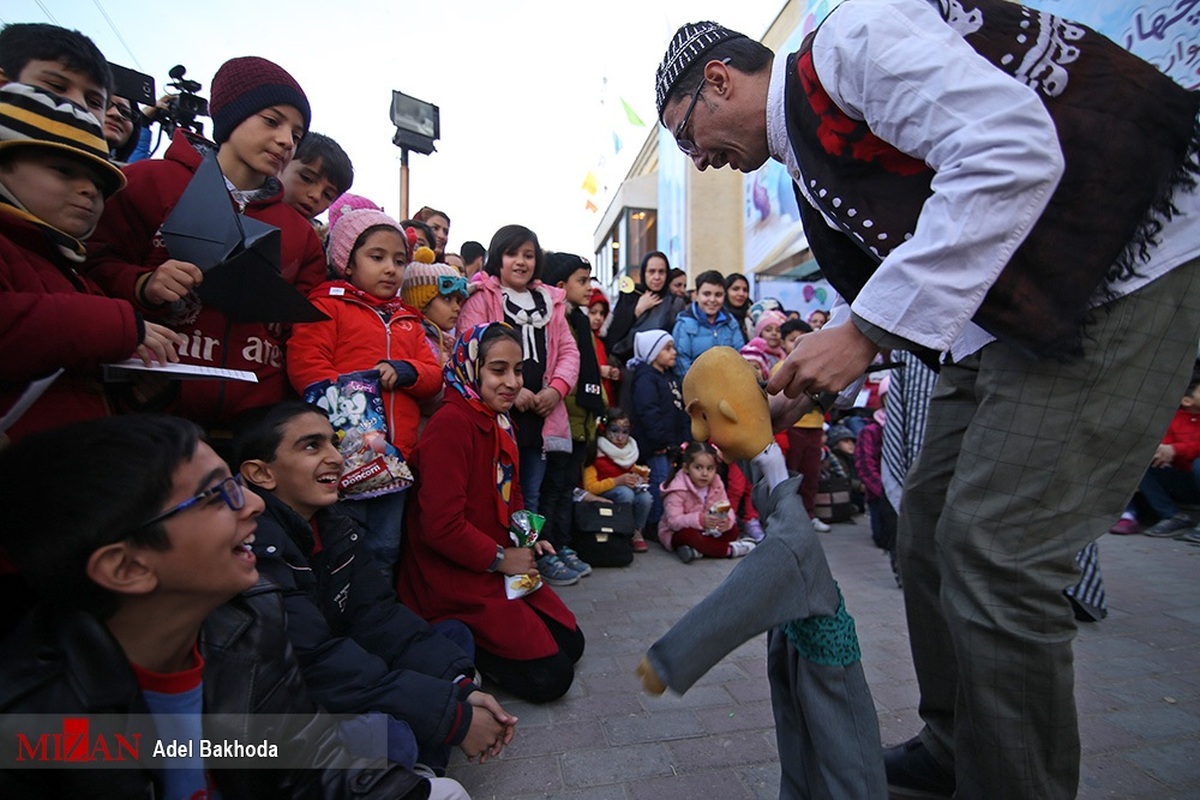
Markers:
point(1191, 537)
point(1126, 526)
point(574, 562)
point(753, 530)
point(688, 554)
point(740, 548)
point(1167, 528)
point(639, 543)
point(555, 572)
point(819, 526)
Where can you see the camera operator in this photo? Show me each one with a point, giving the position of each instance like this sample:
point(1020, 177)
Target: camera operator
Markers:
point(122, 128)
point(173, 110)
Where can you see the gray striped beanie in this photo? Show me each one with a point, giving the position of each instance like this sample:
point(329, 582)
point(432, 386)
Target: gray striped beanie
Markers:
point(689, 43)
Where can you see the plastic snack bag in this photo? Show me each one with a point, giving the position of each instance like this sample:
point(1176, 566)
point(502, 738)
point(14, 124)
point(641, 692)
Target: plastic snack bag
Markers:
point(373, 465)
point(524, 527)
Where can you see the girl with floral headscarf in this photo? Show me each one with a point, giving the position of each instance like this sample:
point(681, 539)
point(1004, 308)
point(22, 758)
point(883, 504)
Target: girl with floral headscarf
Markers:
point(457, 549)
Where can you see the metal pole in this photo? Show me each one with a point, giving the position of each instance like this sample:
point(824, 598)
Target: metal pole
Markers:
point(403, 183)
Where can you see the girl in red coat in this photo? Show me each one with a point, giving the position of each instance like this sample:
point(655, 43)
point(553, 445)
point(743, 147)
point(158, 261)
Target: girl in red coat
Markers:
point(458, 550)
point(370, 328)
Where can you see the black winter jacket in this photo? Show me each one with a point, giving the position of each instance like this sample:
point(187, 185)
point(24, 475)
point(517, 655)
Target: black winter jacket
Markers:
point(359, 648)
point(68, 663)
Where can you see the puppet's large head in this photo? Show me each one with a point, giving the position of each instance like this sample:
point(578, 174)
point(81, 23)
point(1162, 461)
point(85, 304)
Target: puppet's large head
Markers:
point(726, 403)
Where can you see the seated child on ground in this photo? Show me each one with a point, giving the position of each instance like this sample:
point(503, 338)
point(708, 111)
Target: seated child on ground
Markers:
point(458, 550)
point(359, 649)
point(1173, 476)
point(698, 516)
point(154, 612)
point(615, 471)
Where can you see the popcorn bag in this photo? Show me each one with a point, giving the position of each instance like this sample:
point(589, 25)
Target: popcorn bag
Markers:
point(373, 465)
point(524, 527)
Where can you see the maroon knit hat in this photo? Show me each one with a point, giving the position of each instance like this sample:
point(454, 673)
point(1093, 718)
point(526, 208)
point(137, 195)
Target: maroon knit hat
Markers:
point(245, 86)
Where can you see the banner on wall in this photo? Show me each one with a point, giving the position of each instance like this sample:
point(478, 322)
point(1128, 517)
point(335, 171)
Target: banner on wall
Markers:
point(1164, 32)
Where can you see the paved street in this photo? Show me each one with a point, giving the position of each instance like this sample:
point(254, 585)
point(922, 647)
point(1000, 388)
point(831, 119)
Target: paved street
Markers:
point(1138, 685)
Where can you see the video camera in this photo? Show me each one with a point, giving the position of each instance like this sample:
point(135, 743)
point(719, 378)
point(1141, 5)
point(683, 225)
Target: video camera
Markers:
point(183, 108)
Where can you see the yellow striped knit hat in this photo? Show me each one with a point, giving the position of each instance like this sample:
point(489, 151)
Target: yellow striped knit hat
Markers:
point(32, 117)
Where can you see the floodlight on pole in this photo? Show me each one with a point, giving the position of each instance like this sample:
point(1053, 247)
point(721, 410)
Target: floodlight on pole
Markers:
point(418, 126)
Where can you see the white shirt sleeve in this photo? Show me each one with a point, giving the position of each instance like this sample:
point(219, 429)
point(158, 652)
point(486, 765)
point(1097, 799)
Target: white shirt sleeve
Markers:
point(991, 143)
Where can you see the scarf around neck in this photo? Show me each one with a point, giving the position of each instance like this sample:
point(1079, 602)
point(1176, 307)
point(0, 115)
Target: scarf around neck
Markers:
point(71, 248)
point(530, 310)
point(624, 457)
point(462, 374)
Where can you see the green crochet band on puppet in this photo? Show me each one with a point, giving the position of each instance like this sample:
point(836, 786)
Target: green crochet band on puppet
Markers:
point(832, 640)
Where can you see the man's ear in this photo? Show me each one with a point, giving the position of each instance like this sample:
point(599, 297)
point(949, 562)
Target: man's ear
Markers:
point(259, 473)
point(121, 569)
point(718, 74)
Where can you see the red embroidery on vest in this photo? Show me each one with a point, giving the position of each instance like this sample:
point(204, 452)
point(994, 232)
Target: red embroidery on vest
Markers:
point(843, 136)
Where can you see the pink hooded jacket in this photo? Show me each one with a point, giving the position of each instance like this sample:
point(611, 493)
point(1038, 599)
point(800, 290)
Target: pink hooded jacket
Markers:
point(684, 506)
point(562, 354)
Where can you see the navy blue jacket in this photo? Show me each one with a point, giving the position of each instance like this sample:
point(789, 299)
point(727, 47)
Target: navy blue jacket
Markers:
point(359, 648)
point(657, 416)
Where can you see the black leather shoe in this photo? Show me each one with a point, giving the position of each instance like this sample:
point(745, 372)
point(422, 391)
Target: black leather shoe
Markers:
point(912, 774)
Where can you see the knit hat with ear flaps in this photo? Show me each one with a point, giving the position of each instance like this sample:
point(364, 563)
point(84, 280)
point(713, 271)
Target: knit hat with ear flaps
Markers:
point(35, 118)
point(420, 283)
point(347, 230)
point(244, 86)
point(687, 45)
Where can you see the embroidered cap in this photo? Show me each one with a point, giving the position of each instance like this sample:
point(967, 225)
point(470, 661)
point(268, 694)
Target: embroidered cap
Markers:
point(689, 43)
point(32, 117)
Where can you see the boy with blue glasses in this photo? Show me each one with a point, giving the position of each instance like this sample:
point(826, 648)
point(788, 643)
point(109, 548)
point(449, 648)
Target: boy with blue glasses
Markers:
point(152, 611)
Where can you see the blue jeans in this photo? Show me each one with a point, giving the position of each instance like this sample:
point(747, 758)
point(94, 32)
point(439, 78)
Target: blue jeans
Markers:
point(382, 518)
point(533, 471)
point(1163, 487)
point(660, 468)
point(641, 502)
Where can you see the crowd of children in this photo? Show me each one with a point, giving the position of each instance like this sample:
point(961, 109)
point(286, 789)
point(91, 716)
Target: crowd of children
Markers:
point(493, 384)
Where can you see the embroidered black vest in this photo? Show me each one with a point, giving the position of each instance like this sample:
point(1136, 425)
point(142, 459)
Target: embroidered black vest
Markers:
point(1128, 133)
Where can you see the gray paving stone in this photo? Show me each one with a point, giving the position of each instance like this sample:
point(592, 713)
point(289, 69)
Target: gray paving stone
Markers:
point(585, 768)
point(762, 781)
point(724, 750)
point(552, 739)
point(661, 726)
point(724, 784)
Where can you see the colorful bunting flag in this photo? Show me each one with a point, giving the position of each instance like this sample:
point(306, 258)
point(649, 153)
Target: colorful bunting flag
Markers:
point(631, 115)
point(590, 184)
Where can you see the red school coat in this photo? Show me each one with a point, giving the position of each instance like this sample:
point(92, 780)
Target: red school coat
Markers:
point(453, 531)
